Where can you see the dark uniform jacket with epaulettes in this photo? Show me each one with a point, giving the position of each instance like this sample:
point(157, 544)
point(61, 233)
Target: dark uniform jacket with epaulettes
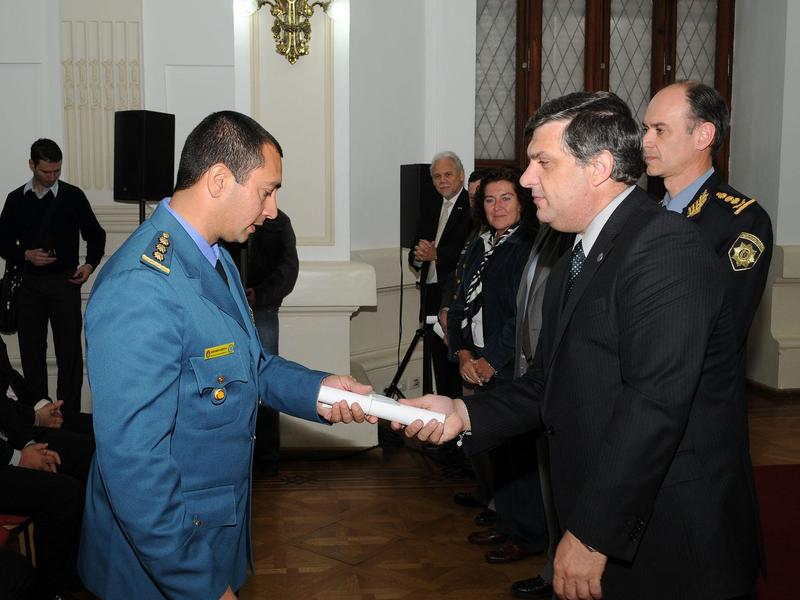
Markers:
point(740, 231)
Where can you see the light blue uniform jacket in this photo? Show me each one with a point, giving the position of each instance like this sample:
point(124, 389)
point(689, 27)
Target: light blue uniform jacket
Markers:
point(168, 501)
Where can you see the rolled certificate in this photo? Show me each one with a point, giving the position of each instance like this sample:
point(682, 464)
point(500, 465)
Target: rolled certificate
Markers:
point(379, 406)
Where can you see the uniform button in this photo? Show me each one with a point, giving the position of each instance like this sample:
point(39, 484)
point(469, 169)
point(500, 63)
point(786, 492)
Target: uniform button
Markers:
point(219, 395)
point(197, 522)
point(550, 431)
point(221, 379)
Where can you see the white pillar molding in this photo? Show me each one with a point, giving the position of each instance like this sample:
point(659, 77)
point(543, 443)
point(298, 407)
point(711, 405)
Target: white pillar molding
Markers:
point(315, 331)
point(774, 343)
point(101, 61)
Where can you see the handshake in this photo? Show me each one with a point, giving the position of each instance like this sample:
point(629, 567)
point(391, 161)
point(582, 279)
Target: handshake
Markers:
point(431, 418)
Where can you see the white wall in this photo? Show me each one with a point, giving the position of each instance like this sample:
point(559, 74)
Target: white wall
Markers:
point(764, 161)
point(30, 78)
point(412, 90)
point(787, 230)
point(188, 50)
point(757, 115)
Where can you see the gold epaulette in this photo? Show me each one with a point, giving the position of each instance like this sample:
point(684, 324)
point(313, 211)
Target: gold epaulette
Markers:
point(696, 206)
point(736, 203)
point(158, 253)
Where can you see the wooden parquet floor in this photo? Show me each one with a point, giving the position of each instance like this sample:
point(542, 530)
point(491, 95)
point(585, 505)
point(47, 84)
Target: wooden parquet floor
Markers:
point(375, 525)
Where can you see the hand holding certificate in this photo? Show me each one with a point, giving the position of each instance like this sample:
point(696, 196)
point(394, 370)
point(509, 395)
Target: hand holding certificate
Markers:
point(379, 406)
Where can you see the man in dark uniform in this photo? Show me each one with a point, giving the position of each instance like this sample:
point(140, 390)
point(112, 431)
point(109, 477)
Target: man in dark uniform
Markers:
point(39, 228)
point(685, 126)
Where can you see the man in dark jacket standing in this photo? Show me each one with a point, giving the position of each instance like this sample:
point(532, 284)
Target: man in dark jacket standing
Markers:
point(39, 228)
point(633, 379)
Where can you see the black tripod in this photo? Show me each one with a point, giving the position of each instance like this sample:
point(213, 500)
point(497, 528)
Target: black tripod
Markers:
point(386, 437)
point(392, 391)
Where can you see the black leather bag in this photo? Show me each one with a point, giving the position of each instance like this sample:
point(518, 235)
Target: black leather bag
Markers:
point(9, 286)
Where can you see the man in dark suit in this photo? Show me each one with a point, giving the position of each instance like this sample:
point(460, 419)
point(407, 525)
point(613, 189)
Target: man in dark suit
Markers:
point(443, 227)
point(633, 379)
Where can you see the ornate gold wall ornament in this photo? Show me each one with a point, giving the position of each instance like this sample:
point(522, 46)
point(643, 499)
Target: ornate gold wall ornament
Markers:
point(292, 27)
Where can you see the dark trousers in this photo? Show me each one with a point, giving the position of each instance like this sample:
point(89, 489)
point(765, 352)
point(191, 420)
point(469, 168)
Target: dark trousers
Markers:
point(268, 425)
point(446, 375)
point(16, 576)
point(518, 494)
point(51, 298)
point(55, 502)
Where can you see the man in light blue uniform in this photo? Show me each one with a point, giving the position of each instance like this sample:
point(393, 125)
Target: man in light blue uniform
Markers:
point(177, 369)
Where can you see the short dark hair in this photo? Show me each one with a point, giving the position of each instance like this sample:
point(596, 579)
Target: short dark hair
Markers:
point(527, 212)
point(46, 150)
point(706, 105)
point(225, 137)
point(597, 121)
point(476, 175)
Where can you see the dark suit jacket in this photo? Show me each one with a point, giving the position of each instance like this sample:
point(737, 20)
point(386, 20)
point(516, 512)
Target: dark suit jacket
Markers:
point(634, 382)
point(15, 424)
point(449, 247)
point(501, 277)
point(548, 247)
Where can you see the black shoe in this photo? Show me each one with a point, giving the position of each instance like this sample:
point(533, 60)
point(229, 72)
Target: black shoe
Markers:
point(485, 518)
point(508, 552)
point(535, 587)
point(487, 537)
point(468, 500)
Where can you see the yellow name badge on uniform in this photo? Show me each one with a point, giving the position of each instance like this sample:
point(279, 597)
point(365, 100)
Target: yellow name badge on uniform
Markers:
point(217, 351)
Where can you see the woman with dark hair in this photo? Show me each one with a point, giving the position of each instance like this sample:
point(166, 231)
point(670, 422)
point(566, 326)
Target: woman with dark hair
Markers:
point(481, 331)
point(481, 324)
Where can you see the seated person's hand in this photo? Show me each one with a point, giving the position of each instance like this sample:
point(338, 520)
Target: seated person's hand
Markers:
point(340, 412)
point(251, 297)
point(50, 415)
point(39, 458)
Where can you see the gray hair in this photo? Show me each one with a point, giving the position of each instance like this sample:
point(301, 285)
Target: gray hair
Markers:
point(447, 154)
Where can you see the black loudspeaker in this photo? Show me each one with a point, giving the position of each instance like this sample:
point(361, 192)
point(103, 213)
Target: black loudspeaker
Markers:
point(144, 155)
point(416, 188)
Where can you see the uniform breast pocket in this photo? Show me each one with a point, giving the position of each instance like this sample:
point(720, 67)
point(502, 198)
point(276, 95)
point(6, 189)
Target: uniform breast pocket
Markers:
point(221, 383)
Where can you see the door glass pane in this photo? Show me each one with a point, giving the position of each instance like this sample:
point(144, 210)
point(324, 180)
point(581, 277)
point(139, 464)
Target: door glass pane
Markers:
point(630, 53)
point(697, 40)
point(495, 74)
point(563, 42)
